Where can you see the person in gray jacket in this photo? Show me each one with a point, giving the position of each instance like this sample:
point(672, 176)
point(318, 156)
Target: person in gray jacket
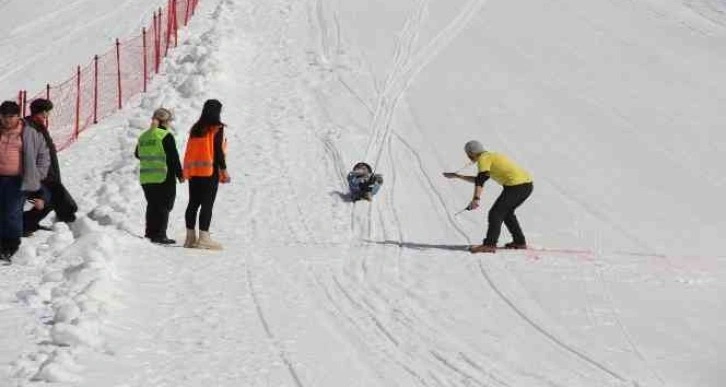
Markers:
point(24, 162)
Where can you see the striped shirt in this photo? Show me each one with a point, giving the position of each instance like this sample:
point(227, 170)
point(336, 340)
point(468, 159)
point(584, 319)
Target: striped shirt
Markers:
point(11, 151)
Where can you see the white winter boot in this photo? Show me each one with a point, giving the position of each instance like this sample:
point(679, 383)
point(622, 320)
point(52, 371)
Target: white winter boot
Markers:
point(206, 242)
point(191, 240)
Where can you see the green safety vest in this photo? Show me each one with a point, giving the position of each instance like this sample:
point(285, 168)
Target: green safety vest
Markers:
point(152, 156)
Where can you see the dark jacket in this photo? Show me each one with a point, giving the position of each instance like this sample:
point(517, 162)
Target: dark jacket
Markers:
point(220, 161)
point(61, 200)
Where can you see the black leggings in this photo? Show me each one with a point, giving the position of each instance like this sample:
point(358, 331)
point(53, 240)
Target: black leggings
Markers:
point(503, 211)
point(202, 192)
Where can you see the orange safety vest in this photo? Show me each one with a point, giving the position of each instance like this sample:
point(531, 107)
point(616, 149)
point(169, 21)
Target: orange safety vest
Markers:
point(199, 155)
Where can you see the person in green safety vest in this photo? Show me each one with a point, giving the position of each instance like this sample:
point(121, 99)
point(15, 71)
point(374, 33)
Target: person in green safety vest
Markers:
point(160, 169)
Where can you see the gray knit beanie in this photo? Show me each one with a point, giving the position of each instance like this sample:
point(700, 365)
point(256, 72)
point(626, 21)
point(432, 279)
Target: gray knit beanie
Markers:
point(474, 148)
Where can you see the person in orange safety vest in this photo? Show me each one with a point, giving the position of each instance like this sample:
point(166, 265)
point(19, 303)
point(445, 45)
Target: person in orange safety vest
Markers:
point(204, 167)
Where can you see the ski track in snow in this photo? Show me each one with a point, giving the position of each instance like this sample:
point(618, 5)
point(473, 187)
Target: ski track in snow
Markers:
point(392, 181)
point(391, 185)
point(306, 273)
point(547, 334)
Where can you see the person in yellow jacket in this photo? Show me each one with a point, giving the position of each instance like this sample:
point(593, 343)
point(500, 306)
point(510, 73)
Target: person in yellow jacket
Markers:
point(517, 185)
point(205, 167)
point(160, 169)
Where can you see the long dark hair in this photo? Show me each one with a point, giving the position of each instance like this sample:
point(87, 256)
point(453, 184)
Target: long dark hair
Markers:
point(210, 116)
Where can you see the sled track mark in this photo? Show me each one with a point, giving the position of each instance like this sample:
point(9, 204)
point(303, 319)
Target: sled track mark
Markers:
point(317, 13)
point(392, 207)
point(339, 168)
point(628, 337)
point(415, 375)
point(356, 95)
point(467, 378)
point(346, 294)
point(481, 369)
point(411, 320)
point(323, 28)
point(387, 100)
point(430, 183)
point(385, 331)
point(543, 331)
point(709, 9)
point(366, 311)
point(336, 159)
point(340, 313)
point(407, 66)
point(266, 326)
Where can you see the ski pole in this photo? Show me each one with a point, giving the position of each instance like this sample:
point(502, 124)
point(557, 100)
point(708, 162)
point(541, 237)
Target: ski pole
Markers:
point(459, 212)
point(465, 166)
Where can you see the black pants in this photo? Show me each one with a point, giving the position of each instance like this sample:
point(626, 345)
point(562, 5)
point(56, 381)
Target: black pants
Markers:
point(57, 199)
point(503, 211)
point(159, 203)
point(11, 213)
point(202, 193)
point(33, 216)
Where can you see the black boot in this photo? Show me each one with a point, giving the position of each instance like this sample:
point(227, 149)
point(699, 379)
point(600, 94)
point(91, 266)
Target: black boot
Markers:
point(163, 241)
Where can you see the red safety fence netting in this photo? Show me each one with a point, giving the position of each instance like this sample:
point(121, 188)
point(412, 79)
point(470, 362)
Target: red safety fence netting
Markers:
point(104, 85)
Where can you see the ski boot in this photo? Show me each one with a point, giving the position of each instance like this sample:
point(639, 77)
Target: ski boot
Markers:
point(483, 249)
point(515, 246)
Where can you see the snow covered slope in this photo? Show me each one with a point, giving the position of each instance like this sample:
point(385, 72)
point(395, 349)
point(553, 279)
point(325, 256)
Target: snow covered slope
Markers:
point(44, 40)
point(614, 106)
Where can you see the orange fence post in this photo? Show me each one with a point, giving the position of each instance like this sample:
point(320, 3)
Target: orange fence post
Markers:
point(143, 38)
point(176, 23)
point(155, 33)
point(186, 12)
point(168, 29)
point(95, 89)
point(158, 41)
point(118, 72)
point(77, 127)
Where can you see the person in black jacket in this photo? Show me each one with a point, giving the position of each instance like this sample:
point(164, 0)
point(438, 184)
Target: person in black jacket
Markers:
point(52, 194)
point(160, 196)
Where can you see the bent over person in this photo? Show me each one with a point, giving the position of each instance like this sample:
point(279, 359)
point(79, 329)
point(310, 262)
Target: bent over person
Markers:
point(517, 185)
point(52, 196)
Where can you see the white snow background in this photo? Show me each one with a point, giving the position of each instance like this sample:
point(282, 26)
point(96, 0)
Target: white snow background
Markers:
point(615, 107)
